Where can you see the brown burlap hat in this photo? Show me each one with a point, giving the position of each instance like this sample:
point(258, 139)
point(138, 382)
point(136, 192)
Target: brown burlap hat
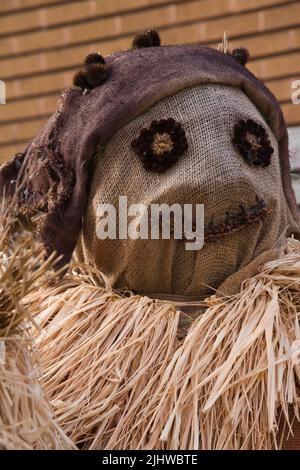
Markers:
point(161, 124)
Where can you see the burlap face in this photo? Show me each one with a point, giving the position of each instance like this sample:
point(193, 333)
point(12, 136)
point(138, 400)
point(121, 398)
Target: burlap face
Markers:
point(212, 172)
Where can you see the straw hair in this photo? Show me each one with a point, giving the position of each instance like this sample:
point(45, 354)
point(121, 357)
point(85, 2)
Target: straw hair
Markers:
point(26, 421)
point(120, 374)
point(102, 356)
point(236, 372)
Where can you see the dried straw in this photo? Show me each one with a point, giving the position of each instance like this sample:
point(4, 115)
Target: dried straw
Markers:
point(25, 418)
point(102, 357)
point(119, 376)
point(26, 422)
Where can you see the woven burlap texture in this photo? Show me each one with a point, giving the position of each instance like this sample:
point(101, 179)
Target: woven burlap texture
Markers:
point(212, 172)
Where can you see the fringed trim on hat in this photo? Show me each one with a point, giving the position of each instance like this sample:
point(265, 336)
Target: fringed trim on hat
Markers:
point(120, 374)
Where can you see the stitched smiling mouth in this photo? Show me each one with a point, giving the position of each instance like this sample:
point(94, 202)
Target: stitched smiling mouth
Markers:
point(233, 221)
point(236, 221)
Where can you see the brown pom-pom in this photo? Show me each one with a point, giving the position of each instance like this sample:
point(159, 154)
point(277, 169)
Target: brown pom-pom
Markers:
point(94, 58)
point(95, 74)
point(146, 39)
point(80, 79)
point(241, 55)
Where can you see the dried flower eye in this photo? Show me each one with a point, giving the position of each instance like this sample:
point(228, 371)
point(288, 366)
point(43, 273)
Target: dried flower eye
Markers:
point(160, 146)
point(252, 141)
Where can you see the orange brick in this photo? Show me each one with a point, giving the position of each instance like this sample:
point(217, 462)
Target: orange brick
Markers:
point(71, 11)
point(282, 89)
point(278, 41)
point(28, 108)
point(7, 152)
point(56, 60)
point(292, 114)
point(205, 31)
point(158, 17)
point(15, 5)
point(40, 84)
point(20, 131)
point(273, 67)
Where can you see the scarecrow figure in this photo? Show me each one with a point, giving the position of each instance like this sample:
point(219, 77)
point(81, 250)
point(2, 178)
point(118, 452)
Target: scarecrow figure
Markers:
point(145, 344)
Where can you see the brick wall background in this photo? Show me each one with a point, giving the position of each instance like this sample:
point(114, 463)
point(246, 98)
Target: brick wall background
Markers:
point(43, 42)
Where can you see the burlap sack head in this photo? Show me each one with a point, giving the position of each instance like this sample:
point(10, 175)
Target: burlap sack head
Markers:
point(62, 177)
point(211, 172)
